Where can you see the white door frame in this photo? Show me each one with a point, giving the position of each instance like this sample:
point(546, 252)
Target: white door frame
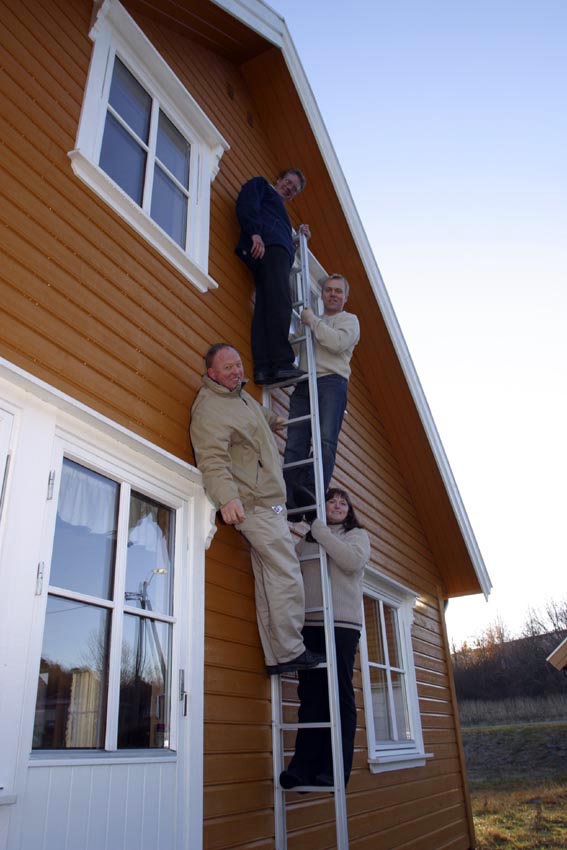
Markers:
point(42, 415)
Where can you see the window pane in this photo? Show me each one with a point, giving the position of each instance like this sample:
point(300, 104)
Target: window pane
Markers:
point(71, 690)
point(143, 718)
point(173, 150)
point(149, 576)
point(380, 709)
point(401, 706)
point(392, 636)
point(123, 159)
point(85, 532)
point(373, 631)
point(130, 100)
point(169, 207)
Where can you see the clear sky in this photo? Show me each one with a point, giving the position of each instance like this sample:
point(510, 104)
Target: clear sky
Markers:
point(449, 119)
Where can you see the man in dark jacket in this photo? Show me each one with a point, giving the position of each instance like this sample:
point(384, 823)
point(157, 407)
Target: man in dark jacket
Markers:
point(267, 247)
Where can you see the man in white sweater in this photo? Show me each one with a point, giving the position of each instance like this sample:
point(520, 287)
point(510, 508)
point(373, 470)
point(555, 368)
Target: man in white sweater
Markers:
point(335, 335)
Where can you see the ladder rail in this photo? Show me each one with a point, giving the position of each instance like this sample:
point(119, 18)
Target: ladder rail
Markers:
point(278, 725)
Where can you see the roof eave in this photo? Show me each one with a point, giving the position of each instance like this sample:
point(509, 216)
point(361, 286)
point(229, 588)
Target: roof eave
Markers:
point(259, 16)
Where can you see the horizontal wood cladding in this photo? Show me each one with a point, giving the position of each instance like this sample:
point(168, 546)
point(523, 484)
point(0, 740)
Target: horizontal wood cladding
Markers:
point(205, 23)
point(92, 309)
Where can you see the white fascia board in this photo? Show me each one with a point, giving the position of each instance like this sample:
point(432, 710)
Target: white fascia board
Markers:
point(559, 656)
point(257, 15)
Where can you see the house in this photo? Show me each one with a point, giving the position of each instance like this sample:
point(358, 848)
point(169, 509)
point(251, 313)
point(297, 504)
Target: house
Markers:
point(135, 711)
point(558, 658)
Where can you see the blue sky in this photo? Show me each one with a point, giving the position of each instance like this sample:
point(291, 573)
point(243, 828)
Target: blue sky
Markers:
point(449, 119)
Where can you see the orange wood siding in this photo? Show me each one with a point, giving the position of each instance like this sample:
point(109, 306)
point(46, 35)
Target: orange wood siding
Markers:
point(90, 308)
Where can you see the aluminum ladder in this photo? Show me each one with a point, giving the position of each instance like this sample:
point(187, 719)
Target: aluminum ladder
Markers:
point(279, 726)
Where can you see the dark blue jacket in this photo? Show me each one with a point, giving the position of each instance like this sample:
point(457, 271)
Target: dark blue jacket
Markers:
point(261, 210)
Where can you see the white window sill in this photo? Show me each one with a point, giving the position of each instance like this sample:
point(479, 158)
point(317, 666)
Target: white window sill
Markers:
point(72, 758)
point(119, 201)
point(399, 761)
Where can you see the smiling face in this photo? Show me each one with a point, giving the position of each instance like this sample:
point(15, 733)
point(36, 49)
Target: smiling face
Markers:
point(226, 369)
point(288, 186)
point(337, 509)
point(334, 295)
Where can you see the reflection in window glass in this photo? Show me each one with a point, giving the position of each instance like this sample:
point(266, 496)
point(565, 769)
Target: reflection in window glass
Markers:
point(143, 718)
point(130, 100)
point(169, 207)
point(390, 706)
point(71, 691)
point(401, 706)
point(173, 150)
point(392, 637)
point(123, 159)
point(85, 533)
point(373, 632)
point(149, 577)
point(80, 656)
point(380, 710)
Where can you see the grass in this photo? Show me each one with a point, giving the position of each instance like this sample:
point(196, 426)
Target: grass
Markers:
point(516, 710)
point(518, 779)
point(530, 818)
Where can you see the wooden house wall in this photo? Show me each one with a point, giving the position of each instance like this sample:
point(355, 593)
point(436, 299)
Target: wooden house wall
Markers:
point(90, 308)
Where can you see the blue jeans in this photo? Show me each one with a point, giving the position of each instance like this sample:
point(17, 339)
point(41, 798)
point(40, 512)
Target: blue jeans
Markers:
point(332, 393)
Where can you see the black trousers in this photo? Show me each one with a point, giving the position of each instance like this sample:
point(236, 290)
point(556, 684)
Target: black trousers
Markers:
point(272, 312)
point(313, 753)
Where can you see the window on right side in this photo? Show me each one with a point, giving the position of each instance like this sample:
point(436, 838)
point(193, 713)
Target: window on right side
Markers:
point(393, 725)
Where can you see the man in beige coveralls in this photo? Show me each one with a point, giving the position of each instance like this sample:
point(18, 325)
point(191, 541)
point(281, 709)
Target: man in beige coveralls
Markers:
point(237, 454)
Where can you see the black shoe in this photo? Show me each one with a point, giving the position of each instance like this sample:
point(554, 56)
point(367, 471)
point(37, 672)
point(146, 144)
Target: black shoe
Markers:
point(291, 779)
point(305, 661)
point(325, 779)
point(289, 375)
point(294, 517)
point(263, 378)
point(303, 497)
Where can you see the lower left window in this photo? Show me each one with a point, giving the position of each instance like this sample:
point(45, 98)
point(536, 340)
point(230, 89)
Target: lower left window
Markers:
point(105, 671)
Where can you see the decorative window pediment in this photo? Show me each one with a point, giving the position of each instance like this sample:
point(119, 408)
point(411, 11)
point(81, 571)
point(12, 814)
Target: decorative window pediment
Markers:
point(145, 146)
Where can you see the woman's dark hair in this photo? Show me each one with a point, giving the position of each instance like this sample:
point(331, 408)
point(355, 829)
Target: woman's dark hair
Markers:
point(351, 519)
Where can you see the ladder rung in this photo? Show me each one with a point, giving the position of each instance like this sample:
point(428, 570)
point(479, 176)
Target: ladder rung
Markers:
point(297, 303)
point(289, 727)
point(311, 610)
point(305, 462)
point(298, 419)
point(290, 382)
point(301, 789)
point(298, 339)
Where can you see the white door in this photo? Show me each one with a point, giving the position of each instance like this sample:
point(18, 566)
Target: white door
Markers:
point(108, 764)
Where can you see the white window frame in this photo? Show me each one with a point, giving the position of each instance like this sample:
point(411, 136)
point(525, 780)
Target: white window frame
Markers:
point(115, 33)
point(6, 426)
point(404, 754)
point(129, 478)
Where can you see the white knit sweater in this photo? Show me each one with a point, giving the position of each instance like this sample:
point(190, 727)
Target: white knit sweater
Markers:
point(348, 553)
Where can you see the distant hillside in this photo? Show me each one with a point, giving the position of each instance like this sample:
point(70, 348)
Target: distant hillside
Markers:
point(497, 670)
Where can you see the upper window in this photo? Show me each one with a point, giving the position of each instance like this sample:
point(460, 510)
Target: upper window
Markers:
point(390, 690)
point(145, 146)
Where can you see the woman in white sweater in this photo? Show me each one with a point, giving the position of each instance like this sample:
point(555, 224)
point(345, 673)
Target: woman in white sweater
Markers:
point(348, 550)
